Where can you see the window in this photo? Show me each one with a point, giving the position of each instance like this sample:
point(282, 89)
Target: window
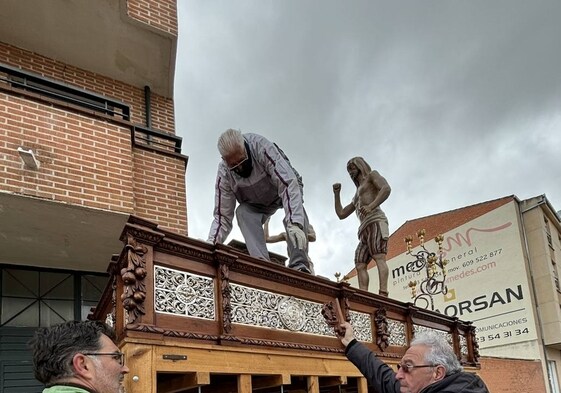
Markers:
point(556, 279)
point(552, 374)
point(41, 297)
point(548, 232)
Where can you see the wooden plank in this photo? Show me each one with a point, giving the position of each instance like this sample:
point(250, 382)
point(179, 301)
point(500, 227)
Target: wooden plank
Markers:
point(325, 382)
point(255, 361)
point(172, 383)
point(270, 381)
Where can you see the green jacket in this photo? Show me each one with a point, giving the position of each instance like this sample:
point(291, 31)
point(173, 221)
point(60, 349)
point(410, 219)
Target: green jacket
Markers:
point(67, 388)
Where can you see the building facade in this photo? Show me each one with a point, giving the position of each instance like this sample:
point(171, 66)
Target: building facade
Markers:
point(501, 273)
point(87, 138)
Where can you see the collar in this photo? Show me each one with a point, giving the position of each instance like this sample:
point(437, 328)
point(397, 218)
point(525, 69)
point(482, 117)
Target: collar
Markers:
point(70, 384)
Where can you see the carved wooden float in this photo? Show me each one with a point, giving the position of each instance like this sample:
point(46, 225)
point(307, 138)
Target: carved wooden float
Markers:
point(191, 315)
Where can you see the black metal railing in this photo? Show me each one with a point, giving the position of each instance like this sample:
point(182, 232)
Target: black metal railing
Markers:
point(70, 94)
point(154, 138)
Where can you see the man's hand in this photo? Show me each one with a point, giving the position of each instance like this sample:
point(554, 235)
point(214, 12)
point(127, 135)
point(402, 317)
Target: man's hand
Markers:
point(345, 333)
point(365, 209)
point(297, 236)
point(336, 188)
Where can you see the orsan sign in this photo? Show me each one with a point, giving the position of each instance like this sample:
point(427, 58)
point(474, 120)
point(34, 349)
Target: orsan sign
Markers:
point(486, 278)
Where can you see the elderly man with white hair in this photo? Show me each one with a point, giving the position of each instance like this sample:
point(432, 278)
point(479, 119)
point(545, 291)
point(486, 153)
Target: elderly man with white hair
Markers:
point(256, 174)
point(428, 366)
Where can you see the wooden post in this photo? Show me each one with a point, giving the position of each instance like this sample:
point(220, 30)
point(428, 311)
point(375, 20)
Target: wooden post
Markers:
point(313, 384)
point(244, 383)
point(362, 385)
point(142, 374)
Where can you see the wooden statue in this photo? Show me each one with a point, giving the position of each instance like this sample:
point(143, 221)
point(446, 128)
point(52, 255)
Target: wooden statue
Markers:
point(371, 190)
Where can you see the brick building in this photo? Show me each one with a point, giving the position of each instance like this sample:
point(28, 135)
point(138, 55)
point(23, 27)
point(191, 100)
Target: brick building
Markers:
point(502, 274)
point(87, 138)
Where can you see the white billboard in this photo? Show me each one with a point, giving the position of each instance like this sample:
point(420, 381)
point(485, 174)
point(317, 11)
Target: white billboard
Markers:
point(486, 278)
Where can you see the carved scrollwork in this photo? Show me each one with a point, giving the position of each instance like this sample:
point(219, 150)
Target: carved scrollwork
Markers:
point(133, 275)
point(226, 297)
point(279, 344)
point(292, 313)
point(382, 331)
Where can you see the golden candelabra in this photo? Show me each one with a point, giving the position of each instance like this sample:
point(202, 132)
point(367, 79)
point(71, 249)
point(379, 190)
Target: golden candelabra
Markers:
point(433, 265)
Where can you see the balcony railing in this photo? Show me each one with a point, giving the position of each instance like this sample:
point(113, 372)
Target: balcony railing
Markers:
point(46, 87)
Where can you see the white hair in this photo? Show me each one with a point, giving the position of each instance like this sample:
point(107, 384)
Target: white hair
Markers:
point(439, 351)
point(230, 141)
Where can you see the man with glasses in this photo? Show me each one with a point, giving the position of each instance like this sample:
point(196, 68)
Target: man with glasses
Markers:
point(78, 357)
point(256, 174)
point(428, 366)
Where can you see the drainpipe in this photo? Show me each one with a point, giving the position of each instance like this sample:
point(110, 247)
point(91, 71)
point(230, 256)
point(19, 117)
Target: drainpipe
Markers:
point(538, 312)
point(147, 108)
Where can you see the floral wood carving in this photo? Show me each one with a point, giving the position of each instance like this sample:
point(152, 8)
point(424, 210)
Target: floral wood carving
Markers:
point(226, 297)
point(474, 344)
point(111, 317)
point(382, 331)
point(133, 276)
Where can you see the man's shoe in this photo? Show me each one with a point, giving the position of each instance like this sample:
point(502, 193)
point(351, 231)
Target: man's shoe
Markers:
point(304, 269)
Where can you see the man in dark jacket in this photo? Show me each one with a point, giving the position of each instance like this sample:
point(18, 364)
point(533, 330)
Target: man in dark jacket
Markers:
point(428, 366)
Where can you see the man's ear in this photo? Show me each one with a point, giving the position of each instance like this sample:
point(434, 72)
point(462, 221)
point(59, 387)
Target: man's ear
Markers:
point(82, 365)
point(439, 372)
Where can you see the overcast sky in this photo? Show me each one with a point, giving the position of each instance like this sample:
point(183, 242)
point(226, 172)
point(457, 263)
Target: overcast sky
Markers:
point(453, 102)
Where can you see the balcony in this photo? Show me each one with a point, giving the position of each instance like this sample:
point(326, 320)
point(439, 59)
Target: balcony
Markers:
point(98, 36)
point(191, 315)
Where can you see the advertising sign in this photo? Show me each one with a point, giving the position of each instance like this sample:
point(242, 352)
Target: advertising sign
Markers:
point(486, 278)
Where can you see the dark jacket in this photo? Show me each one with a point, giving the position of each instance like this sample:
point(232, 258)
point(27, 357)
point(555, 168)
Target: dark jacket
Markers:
point(381, 377)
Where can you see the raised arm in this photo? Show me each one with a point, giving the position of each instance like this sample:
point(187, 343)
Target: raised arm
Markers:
point(342, 212)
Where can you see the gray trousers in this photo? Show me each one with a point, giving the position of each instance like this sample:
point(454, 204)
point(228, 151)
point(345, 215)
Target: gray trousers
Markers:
point(251, 219)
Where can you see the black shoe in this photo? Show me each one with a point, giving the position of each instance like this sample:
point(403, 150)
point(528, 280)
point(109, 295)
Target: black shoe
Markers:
point(304, 269)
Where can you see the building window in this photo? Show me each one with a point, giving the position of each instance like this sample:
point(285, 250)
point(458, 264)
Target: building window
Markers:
point(41, 297)
point(552, 374)
point(548, 232)
point(555, 275)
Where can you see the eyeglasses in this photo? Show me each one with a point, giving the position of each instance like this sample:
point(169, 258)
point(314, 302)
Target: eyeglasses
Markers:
point(236, 167)
point(407, 368)
point(118, 356)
